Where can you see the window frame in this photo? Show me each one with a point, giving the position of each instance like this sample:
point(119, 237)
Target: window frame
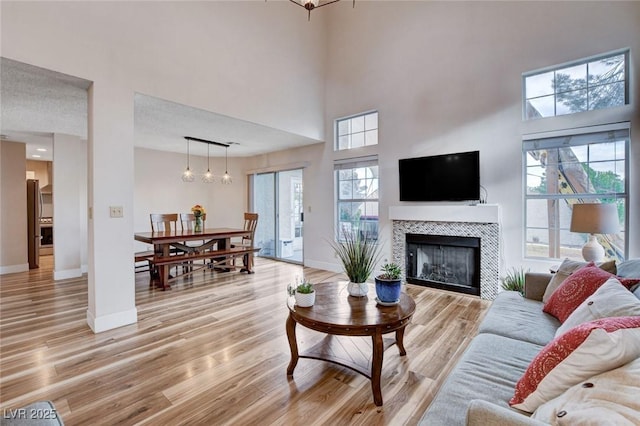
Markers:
point(336, 129)
point(351, 164)
point(552, 140)
point(566, 65)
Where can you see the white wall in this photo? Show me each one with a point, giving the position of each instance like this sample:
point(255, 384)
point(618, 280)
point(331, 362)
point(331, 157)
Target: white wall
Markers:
point(247, 59)
point(69, 163)
point(446, 77)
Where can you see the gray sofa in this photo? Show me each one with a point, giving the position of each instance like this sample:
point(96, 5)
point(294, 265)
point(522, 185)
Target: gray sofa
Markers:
point(514, 330)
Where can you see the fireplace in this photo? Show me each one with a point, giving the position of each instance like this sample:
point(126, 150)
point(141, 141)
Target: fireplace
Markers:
point(481, 222)
point(443, 261)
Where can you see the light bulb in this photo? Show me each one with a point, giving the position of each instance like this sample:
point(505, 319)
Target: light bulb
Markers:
point(188, 176)
point(208, 177)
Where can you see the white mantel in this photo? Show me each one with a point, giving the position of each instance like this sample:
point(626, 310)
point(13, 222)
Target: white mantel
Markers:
point(480, 213)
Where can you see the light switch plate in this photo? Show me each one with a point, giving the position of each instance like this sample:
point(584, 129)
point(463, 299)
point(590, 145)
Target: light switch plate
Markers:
point(115, 211)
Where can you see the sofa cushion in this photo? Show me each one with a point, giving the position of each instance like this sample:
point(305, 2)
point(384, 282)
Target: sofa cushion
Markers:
point(629, 269)
point(575, 289)
point(568, 267)
point(516, 317)
point(612, 299)
point(610, 398)
point(488, 370)
point(582, 352)
point(484, 413)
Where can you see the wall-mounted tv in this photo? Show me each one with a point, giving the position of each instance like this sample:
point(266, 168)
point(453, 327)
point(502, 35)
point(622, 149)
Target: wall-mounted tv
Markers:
point(449, 177)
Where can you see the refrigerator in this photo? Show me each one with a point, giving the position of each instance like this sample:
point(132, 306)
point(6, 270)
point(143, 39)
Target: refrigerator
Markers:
point(34, 209)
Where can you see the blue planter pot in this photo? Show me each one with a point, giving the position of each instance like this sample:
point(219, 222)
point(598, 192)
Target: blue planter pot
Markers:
point(388, 291)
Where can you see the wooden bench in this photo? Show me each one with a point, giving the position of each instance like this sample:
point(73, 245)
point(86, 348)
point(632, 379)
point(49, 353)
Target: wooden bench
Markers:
point(143, 256)
point(147, 257)
point(223, 259)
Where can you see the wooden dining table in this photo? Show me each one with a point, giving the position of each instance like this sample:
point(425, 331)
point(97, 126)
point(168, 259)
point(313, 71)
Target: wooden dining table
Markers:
point(213, 242)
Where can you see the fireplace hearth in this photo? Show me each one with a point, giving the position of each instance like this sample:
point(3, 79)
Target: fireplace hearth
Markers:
point(444, 262)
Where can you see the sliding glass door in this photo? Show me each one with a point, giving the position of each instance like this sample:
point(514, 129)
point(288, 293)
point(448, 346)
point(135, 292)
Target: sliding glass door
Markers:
point(277, 198)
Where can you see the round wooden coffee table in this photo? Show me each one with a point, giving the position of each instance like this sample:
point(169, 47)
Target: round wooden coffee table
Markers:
point(338, 314)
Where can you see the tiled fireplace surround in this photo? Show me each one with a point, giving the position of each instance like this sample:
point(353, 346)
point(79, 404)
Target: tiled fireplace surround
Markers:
point(481, 221)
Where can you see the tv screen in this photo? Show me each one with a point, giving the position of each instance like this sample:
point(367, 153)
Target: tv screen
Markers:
point(449, 177)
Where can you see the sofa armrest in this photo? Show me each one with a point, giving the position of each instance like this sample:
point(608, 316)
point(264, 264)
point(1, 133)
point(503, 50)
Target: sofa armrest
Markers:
point(535, 283)
point(483, 413)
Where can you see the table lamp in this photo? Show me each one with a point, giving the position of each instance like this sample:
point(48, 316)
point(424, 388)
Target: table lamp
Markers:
point(594, 218)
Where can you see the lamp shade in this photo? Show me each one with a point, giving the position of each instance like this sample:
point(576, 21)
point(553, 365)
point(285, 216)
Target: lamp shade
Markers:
point(595, 218)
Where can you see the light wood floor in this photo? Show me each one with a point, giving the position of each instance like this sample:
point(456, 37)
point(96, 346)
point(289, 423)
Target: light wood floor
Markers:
point(212, 353)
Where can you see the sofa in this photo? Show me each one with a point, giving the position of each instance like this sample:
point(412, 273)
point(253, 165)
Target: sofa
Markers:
point(514, 331)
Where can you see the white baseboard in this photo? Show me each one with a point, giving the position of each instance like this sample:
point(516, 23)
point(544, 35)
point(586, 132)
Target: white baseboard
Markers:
point(12, 269)
point(66, 274)
point(111, 321)
point(333, 267)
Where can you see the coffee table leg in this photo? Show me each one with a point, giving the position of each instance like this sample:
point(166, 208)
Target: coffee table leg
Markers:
point(293, 345)
point(376, 367)
point(399, 341)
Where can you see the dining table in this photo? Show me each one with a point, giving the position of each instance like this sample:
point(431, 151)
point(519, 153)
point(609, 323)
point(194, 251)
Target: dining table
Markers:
point(209, 242)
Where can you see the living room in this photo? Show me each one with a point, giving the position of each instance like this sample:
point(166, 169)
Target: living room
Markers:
point(444, 77)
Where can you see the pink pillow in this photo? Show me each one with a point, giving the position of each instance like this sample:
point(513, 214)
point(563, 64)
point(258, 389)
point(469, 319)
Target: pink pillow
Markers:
point(577, 287)
point(582, 352)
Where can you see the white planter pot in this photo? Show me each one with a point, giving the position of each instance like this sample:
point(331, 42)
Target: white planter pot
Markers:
point(305, 300)
point(357, 289)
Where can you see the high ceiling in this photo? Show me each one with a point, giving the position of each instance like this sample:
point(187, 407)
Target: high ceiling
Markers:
point(36, 103)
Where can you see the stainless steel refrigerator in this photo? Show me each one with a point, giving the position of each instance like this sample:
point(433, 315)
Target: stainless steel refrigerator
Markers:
point(34, 209)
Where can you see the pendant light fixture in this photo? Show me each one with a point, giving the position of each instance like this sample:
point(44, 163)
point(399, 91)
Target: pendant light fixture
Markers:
point(208, 176)
point(187, 175)
point(226, 178)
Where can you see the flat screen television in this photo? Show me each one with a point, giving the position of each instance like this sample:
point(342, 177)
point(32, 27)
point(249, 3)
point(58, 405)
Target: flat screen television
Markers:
point(449, 177)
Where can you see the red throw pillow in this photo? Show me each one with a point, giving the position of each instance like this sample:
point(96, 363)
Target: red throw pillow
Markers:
point(584, 351)
point(577, 287)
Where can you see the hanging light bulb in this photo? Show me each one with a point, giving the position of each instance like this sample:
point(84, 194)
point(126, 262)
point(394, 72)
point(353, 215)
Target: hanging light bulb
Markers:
point(226, 178)
point(187, 175)
point(208, 176)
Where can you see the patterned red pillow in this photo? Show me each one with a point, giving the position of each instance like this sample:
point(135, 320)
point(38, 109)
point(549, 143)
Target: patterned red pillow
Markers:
point(577, 287)
point(586, 350)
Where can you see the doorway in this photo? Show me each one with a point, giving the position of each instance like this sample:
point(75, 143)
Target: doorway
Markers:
point(277, 198)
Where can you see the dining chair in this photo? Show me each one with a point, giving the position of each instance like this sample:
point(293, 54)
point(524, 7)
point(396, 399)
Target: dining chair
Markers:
point(250, 224)
point(187, 223)
point(160, 222)
point(188, 220)
point(163, 222)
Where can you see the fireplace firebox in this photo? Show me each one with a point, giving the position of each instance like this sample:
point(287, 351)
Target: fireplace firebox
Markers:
point(444, 262)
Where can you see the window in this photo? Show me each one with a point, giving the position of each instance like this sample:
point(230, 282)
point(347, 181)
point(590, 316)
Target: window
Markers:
point(589, 167)
point(590, 84)
point(357, 197)
point(357, 131)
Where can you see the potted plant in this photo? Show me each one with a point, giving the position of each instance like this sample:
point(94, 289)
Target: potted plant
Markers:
point(389, 284)
point(359, 256)
point(303, 292)
point(514, 280)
